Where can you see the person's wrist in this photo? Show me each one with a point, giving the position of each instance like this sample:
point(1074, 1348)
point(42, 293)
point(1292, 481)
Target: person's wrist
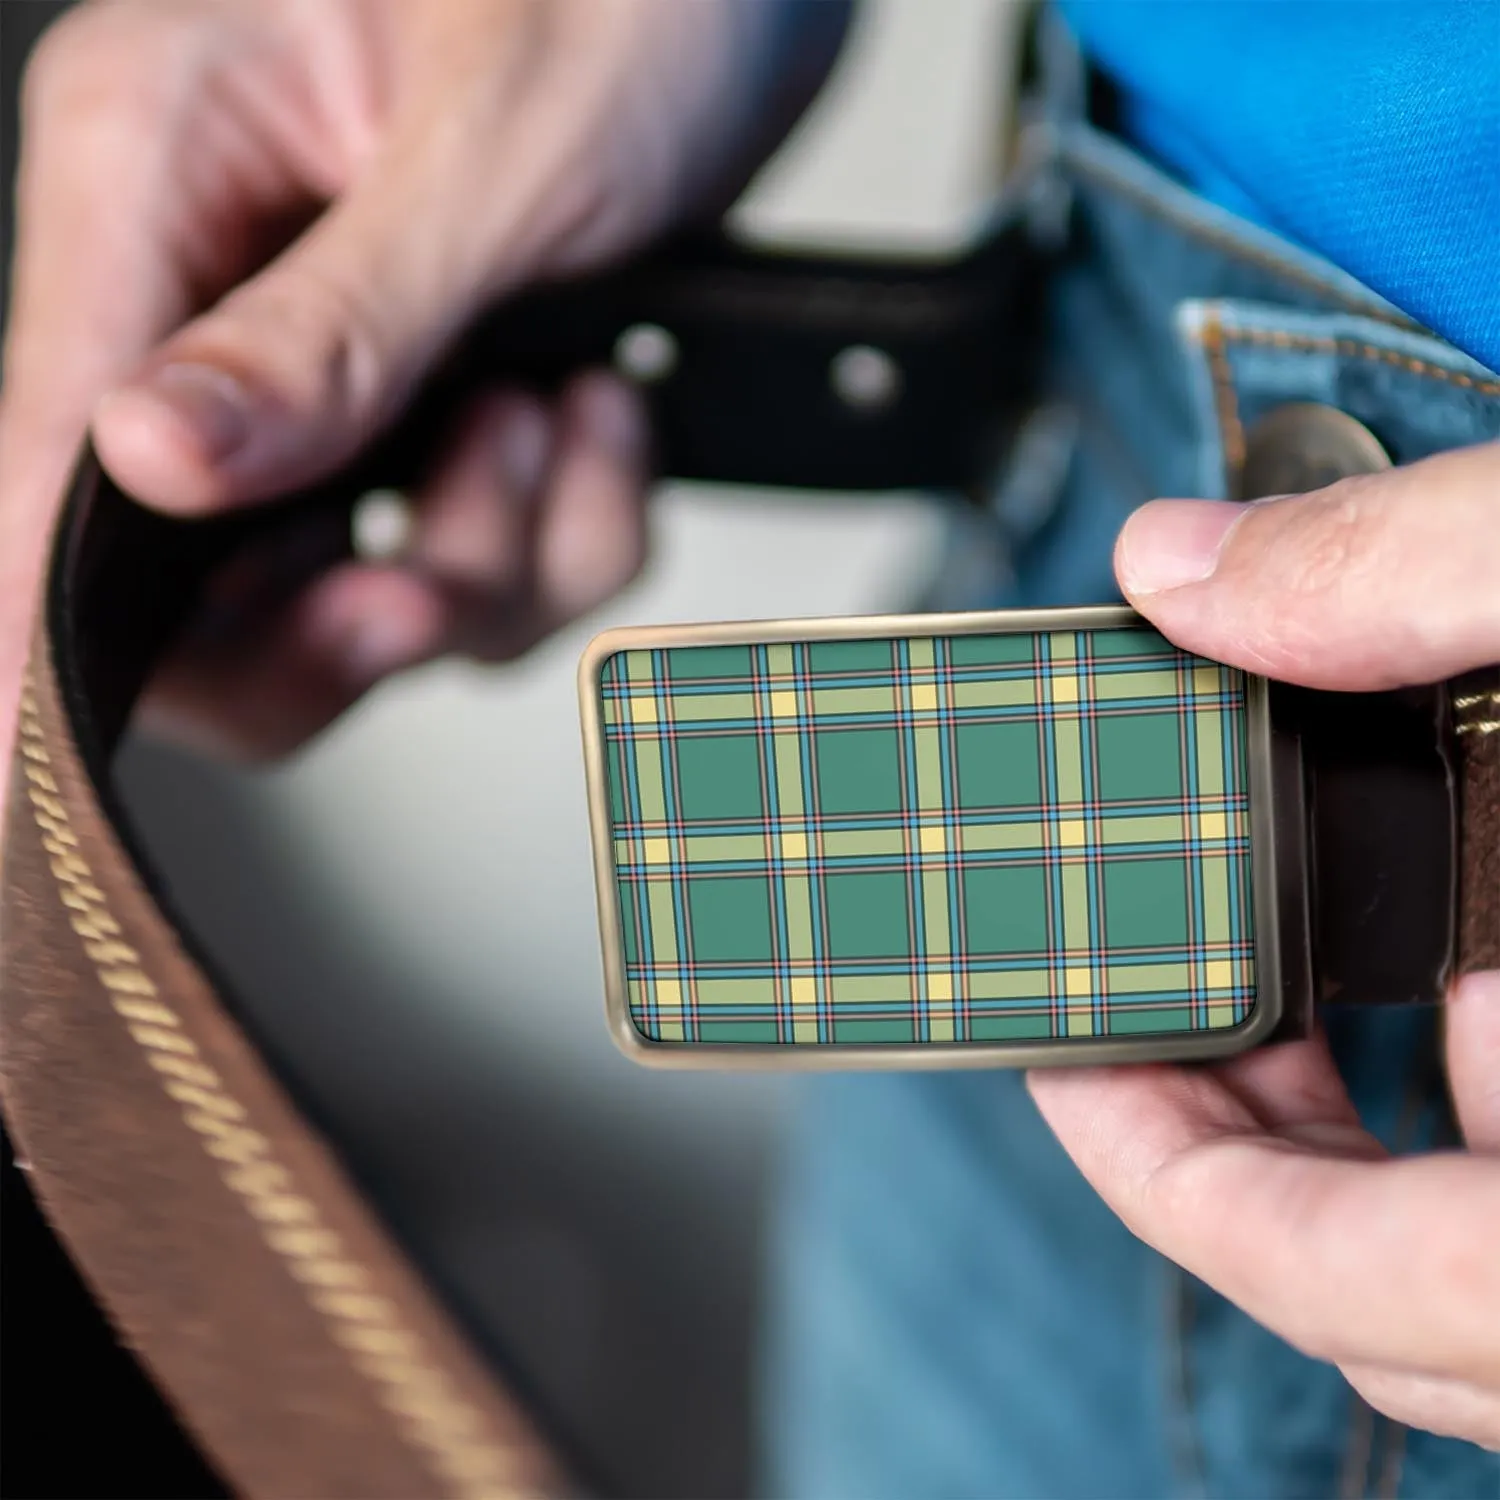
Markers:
point(701, 95)
point(782, 52)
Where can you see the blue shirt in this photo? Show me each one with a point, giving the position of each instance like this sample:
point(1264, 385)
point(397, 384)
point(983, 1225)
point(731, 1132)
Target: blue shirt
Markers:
point(1366, 130)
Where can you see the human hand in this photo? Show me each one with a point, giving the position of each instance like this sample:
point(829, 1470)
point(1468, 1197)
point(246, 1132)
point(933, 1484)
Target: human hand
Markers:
point(246, 228)
point(1256, 1174)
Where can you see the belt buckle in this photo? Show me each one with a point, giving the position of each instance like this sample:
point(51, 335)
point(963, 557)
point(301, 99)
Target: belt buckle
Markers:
point(1018, 838)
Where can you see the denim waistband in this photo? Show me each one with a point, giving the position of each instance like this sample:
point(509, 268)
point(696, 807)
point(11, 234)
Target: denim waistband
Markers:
point(1172, 326)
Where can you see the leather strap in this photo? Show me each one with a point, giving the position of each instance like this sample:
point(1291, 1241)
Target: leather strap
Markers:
point(233, 1250)
point(1476, 723)
point(178, 1161)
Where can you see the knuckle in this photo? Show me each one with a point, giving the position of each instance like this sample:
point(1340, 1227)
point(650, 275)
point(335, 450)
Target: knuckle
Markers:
point(1304, 565)
point(322, 332)
point(63, 50)
point(1333, 540)
point(104, 59)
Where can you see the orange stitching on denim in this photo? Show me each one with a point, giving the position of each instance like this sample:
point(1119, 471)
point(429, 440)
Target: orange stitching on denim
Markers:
point(1219, 239)
point(1354, 349)
point(1210, 334)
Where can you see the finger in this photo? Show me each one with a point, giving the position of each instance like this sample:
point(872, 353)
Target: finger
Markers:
point(298, 367)
point(475, 524)
point(1295, 1089)
point(91, 285)
point(128, 218)
point(1451, 1408)
point(273, 689)
point(474, 578)
point(1376, 582)
point(517, 567)
point(91, 289)
point(591, 537)
point(1348, 1257)
point(1472, 1022)
point(535, 517)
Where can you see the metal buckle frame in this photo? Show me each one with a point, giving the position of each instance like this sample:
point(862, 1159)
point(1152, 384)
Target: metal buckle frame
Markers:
point(1279, 990)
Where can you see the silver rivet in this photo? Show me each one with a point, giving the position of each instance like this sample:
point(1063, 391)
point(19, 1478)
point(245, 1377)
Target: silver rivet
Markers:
point(646, 353)
point(381, 526)
point(865, 377)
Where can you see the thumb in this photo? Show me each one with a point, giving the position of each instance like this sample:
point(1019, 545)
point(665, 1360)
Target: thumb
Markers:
point(1378, 581)
point(1473, 1043)
point(297, 368)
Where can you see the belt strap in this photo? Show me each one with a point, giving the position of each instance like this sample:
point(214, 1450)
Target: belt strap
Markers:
point(230, 1245)
point(1476, 715)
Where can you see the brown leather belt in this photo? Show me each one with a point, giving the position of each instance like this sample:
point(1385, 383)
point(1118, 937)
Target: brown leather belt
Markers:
point(218, 1228)
point(1476, 710)
point(230, 1246)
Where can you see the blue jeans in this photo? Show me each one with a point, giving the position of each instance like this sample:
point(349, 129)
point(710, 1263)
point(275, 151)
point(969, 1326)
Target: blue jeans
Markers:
point(952, 1311)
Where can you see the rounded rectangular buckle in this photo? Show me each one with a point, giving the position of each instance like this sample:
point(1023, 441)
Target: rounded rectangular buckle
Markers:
point(1005, 838)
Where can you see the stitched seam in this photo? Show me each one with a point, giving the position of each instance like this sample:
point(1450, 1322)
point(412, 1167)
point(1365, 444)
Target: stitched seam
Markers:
point(1358, 1444)
point(1385, 1442)
point(1221, 240)
point(1354, 349)
point(1388, 1482)
point(1185, 1442)
point(1226, 399)
point(1474, 723)
point(445, 1429)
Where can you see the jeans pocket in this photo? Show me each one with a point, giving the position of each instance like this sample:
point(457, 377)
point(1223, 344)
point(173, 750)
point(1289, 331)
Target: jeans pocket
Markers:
point(1416, 394)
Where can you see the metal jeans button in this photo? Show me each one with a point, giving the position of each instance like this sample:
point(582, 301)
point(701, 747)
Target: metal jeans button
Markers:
point(1304, 446)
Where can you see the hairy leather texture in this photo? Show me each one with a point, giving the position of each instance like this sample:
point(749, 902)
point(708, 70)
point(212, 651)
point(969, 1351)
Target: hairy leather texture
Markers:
point(219, 1231)
point(1476, 725)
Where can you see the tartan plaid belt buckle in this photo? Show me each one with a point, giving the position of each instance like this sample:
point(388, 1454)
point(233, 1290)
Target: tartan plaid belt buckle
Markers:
point(1008, 838)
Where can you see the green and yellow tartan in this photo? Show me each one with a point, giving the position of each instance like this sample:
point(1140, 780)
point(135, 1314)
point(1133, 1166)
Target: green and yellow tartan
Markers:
point(953, 839)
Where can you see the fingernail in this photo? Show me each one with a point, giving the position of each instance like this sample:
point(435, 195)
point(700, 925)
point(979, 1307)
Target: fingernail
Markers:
point(611, 416)
point(521, 448)
point(1170, 543)
point(211, 405)
point(375, 647)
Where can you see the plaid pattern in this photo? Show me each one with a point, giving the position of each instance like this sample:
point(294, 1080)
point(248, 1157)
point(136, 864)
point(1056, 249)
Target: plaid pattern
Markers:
point(971, 838)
